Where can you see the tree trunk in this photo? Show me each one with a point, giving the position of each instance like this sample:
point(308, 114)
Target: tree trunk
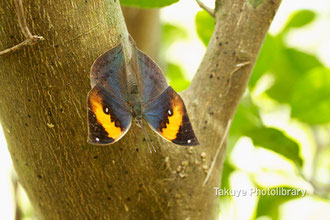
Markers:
point(43, 112)
point(144, 26)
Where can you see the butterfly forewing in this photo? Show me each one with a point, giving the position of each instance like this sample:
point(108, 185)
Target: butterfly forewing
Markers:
point(109, 117)
point(109, 70)
point(153, 80)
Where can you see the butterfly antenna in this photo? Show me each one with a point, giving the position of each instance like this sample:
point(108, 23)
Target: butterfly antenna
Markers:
point(153, 147)
point(147, 144)
point(146, 136)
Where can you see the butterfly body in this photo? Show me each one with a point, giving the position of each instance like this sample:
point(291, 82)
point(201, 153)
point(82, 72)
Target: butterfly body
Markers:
point(135, 89)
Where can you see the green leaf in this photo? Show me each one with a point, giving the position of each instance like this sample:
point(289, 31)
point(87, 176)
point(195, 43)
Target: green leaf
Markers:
point(148, 3)
point(268, 53)
point(176, 76)
point(268, 205)
point(204, 26)
point(310, 101)
point(299, 19)
point(247, 122)
point(246, 118)
point(301, 61)
point(172, 33)
point(226, 171)
point(288, 66)
point(275, 140)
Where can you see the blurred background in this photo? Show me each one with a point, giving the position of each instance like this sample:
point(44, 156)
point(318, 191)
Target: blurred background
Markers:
point(280, 136)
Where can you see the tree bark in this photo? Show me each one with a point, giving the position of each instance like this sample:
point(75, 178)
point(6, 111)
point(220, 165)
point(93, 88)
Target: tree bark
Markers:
point(43, 113)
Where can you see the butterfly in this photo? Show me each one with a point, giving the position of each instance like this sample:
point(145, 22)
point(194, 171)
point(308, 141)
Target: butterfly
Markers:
point(125, 90)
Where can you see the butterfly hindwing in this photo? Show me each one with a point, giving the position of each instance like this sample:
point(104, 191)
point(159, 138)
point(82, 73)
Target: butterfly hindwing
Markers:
point(109, 118)
point(167, 115)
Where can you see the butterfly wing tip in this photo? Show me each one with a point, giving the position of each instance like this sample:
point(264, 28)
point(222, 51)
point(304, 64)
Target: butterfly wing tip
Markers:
point(100, 142)
point(190, 142)
point(194, 143)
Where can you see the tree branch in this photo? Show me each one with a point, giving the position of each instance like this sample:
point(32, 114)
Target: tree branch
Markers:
point(222, 77)
point(205, 7)
point(214, 160)
point(21, 18)
point(30, 39)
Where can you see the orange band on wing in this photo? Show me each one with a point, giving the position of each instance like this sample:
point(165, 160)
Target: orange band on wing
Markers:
point(174, 121)
point(103, 118)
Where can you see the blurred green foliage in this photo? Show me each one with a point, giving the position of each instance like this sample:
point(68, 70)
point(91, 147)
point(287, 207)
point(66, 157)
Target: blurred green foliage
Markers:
point(148, 3)
point(299, 80)
point(310, 99)
point(172, 33)
point(275, 140)
point(177, 79)
point(204, 26)
point(173, 71)
point(269, 204)
point(299, 19)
